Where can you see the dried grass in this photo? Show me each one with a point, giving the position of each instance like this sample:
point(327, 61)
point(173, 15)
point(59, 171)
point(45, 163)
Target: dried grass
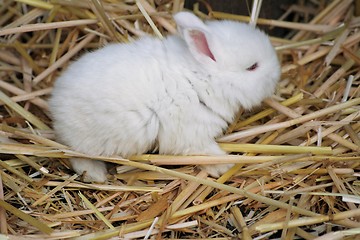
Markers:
point(297, 157)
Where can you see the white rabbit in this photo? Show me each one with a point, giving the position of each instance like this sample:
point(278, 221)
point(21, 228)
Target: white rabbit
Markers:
point(175, 95)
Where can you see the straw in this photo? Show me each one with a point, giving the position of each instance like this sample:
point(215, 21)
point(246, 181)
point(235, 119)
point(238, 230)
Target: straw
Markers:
point(296, 154)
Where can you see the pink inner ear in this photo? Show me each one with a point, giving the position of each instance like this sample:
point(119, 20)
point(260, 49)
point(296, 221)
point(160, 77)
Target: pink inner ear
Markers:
point(201, 43)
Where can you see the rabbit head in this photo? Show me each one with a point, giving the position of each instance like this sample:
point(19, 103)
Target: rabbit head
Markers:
point(240, 58)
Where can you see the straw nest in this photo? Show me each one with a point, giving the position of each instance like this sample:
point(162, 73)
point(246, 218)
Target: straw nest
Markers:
point(297, 156)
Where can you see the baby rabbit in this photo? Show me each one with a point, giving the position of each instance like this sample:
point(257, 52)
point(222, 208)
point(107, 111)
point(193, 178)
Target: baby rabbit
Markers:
point(175, 95)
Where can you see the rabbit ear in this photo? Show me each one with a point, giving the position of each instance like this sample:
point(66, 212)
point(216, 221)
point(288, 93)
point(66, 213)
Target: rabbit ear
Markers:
point(196, 35)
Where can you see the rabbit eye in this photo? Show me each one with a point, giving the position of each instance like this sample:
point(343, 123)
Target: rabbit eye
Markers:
point(253, 67)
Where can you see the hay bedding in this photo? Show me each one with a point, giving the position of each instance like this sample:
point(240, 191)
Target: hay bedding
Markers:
point(297, 155)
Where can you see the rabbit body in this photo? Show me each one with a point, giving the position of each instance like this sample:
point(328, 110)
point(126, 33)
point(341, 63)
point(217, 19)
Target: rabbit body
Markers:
point(175, 95)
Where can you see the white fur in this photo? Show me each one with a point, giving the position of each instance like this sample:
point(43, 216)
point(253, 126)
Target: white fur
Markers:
point(127, 99)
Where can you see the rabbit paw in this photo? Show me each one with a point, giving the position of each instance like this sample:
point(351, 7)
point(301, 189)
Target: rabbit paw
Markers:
point(92, 170)
point(216, 170)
